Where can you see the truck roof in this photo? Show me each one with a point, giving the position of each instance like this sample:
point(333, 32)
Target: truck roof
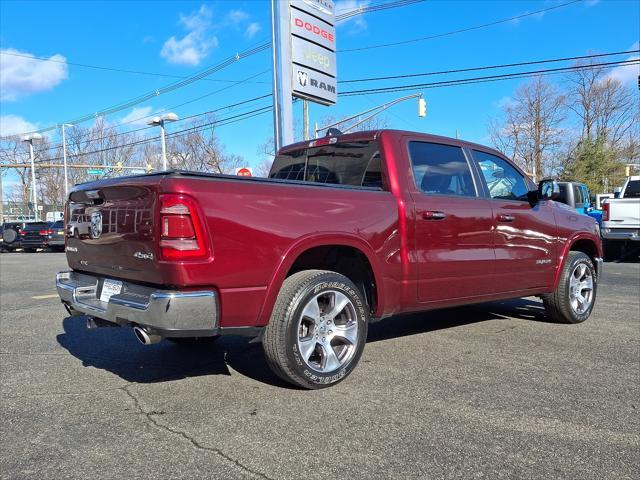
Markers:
point(374, 134)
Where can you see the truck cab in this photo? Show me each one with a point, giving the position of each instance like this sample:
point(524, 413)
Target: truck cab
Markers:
point(577, 196)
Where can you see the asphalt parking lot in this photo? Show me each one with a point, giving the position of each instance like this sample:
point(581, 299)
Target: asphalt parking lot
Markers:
point(490, 391)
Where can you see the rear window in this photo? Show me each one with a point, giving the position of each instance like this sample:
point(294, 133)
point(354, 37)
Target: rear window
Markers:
point(356, 164)
point(633, 189)
point(36, 226)
point(58, 224)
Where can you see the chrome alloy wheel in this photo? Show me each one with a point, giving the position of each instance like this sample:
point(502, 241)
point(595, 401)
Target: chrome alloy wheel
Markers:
point(328, 331)
point(581, 288)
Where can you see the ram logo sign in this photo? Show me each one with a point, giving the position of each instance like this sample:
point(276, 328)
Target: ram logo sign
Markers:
point(315, 86)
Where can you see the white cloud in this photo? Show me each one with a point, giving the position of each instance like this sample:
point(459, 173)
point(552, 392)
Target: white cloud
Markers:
point(357, 23)
point(627, 73)
point(137, 116)
point(15, 125)
point(237, 16)
point(196, 44)
point(252, 29)
point(21, 74)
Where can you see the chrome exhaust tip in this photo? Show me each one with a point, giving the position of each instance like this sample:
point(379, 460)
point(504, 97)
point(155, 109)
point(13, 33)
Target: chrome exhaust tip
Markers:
point(145, 336)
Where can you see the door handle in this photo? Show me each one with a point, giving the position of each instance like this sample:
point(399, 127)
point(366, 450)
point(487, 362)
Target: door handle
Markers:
point(503, 217)
point(431, 215)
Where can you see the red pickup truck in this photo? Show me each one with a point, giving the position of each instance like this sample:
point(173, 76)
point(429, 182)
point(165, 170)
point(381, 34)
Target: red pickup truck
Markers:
point(346, 230)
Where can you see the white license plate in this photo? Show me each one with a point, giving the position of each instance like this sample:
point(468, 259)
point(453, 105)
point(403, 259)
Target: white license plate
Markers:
point(110, 288)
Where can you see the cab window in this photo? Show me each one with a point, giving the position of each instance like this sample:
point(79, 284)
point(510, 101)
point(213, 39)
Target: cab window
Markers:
point(504, 181)
point(441, 169)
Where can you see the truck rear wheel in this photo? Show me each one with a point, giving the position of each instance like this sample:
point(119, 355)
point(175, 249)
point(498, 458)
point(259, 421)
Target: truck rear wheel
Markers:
point(317, 330)
point(575, 295)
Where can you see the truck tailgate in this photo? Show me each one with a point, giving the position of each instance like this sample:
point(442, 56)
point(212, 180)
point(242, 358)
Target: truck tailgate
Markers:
point(111, 228)
point(623, 213)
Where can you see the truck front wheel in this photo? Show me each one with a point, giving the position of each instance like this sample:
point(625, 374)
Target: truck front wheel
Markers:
point(317, 330)
point(575, 295)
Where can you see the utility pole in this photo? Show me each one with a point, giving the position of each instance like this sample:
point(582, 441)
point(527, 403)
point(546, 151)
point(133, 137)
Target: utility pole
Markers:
point(64, 156)
point(29, 139)
point(305, 118)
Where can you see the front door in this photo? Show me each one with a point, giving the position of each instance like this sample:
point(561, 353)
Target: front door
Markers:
point(453, 223)
point(524, 235)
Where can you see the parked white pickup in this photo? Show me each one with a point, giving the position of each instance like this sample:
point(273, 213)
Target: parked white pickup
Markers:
point(621, 217)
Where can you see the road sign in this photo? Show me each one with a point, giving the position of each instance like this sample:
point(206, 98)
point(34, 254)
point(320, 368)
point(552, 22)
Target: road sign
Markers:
point(95, 171)
point(244, 172)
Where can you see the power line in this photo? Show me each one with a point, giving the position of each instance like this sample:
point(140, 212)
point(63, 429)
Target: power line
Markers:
point(444, 72)
point(462, 30)
point(464, 81)
point(225, 63)
point(113, 69)
point(489, 67)
point(169, 88)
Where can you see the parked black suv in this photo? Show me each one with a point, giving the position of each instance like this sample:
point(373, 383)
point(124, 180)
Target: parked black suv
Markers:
point(34, 236)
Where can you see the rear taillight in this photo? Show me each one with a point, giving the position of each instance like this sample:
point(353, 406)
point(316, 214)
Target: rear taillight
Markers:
point(181, 232)
point(46, 232)
point(605, 212)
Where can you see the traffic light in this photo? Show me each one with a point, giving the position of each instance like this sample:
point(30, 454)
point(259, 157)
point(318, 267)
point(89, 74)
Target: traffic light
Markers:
point(422, 107)
point(119, 167)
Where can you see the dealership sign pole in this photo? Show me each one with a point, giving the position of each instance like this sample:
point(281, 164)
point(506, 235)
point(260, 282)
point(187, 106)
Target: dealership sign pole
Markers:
point(304, 59)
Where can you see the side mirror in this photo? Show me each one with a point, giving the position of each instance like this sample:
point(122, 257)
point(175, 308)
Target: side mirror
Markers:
point(548, 189)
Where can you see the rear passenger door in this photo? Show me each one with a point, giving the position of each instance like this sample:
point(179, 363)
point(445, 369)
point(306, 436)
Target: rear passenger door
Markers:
point(453, 238)
point(524, 235)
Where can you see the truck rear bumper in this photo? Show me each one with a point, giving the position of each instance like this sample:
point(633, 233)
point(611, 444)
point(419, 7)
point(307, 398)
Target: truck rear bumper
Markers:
point(621, 234)
point(168, 313)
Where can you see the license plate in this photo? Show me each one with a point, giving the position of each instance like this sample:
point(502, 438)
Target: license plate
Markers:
point(110, 288)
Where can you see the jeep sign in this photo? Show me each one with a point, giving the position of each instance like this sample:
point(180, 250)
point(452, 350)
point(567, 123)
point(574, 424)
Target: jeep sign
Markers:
point(313, 50)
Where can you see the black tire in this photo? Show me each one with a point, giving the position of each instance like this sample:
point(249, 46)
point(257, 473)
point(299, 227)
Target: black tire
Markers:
point(29, 250)
point(193, 341)
point(558, 304)
point(280, 341)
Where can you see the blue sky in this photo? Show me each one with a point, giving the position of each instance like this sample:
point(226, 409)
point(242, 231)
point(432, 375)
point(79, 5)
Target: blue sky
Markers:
point(181, 38)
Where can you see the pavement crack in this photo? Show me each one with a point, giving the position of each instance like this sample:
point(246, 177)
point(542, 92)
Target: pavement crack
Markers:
point(188, 438)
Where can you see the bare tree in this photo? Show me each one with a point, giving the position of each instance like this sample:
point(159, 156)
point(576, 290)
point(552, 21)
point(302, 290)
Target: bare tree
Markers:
point(606, 109)
point(531, 132)
point(200, 149)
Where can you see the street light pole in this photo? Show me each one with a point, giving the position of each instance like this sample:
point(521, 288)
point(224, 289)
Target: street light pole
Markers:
point(164, 146)
point(159, 122)
point(29, 139)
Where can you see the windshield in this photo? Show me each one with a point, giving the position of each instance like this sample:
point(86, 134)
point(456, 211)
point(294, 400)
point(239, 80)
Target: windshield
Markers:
point(356, 164)
point(633, 189)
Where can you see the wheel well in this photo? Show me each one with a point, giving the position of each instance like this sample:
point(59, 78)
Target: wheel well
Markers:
point(587, 247)
point(348, 261)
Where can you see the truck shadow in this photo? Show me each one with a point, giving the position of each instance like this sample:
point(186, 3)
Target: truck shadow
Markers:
point(118, 351)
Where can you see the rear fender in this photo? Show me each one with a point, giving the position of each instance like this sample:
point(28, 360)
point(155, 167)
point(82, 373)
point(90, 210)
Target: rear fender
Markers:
point(305, 243)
